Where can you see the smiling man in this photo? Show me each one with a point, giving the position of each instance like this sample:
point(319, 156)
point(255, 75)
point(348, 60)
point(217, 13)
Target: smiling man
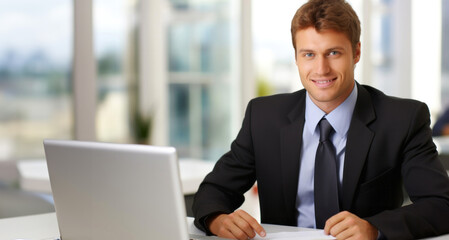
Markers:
point(326, 65)
point(335, 155)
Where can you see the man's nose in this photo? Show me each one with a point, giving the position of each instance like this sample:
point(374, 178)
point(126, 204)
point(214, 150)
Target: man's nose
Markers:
point(322, 65)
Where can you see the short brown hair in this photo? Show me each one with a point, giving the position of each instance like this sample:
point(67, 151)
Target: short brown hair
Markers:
point(335, 15)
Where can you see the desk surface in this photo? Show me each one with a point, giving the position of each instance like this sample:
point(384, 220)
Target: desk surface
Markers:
point(45, 226)
point(34, 175)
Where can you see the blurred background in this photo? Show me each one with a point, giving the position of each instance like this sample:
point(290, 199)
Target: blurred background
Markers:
point(180, 72)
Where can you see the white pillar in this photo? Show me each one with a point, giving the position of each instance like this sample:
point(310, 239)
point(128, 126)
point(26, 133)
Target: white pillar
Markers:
point(364, 69)
point(84, 75)
point(153, 84)
point(248, 82)
point(426, 52)
point(402, 49)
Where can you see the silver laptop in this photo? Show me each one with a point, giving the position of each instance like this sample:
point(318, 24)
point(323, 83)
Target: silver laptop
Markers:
point(116, 191)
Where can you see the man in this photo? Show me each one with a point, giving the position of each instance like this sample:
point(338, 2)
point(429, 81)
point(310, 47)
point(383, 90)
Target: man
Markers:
point(441, 127)
point(380, 145)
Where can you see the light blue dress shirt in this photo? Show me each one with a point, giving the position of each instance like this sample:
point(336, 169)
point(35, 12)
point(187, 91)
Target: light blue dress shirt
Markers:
point(340, 119)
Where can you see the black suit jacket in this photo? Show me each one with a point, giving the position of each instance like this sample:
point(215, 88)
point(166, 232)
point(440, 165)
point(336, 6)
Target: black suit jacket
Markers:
point(389, 146)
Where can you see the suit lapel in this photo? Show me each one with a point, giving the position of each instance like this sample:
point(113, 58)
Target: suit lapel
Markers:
point(357, 145)
point(291, 140)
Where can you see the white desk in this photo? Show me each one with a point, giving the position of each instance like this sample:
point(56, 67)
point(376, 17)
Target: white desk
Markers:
point(442, 144)
point(34, 175)
point(45, 226)
point(40, 226)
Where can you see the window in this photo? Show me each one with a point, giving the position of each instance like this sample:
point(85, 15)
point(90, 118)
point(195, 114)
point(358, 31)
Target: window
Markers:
point(387, 46)
point(201, 52)
point(35, 87)
point(203, 76)
point(114, 49)
point(274, 56)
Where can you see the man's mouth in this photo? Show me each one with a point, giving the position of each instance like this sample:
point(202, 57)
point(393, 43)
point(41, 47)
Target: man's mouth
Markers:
point(324, 81)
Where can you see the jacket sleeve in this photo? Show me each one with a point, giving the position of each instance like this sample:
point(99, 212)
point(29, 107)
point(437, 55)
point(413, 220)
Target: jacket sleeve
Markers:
point(234, 173)
point(426, 183)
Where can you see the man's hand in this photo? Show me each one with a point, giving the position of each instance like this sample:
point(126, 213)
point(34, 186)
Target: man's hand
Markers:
point(237, 225)
point(346, 225)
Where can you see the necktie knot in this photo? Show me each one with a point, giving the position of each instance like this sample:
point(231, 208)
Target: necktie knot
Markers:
point(325, 129)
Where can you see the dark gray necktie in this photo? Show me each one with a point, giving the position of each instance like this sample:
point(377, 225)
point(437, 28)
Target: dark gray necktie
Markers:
point(326, 181)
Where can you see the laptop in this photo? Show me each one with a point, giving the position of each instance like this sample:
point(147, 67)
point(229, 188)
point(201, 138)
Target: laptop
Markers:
point(116, 191)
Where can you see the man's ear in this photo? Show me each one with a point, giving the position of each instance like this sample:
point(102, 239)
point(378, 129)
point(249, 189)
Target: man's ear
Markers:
point(358, 52)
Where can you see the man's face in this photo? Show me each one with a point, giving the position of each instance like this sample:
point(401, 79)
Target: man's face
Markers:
point(326, 66)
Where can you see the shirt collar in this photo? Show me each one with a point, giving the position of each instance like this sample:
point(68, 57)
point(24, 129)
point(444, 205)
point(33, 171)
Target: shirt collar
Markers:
point(339, 118)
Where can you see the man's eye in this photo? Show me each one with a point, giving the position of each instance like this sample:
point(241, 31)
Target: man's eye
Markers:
point(333, 53)
point(308, 54)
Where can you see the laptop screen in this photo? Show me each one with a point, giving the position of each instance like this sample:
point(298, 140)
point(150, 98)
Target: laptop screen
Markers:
point(116, 191)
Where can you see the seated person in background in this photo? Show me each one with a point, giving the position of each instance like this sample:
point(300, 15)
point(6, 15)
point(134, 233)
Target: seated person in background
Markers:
point(334, 155)
point(441, 127)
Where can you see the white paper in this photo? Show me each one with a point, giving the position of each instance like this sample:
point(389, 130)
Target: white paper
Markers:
point(303, 235)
